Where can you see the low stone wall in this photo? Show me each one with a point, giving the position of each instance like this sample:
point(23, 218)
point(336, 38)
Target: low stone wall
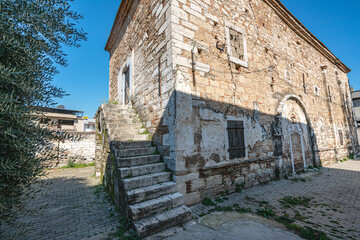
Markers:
point(79, 150)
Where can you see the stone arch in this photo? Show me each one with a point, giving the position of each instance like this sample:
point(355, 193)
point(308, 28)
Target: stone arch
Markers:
point(296, 130)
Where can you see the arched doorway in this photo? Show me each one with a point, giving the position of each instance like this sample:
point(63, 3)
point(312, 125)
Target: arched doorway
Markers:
point(296, 134)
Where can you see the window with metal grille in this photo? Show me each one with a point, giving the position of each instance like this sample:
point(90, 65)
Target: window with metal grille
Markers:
point(237, 44)
point(236, 139)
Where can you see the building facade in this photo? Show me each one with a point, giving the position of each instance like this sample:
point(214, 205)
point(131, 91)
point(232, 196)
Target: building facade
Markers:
point(80, 148)
point(234, 93)
point(356, 110)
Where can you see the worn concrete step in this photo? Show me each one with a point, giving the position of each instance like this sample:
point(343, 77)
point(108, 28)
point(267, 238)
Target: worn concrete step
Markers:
point(141, 170)
point(137, 137)
point(127, 114)
point(131, 144)
point(150, 192)
point(137, 161)
point(122, 126)
point(145, 181)
point(119, 107)
point(135, 152)
point(153, 224)
point(117, 120)
point(154, 206)
point(124, 131)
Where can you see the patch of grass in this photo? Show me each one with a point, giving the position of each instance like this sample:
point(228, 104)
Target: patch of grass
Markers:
point(72, 164)
point(265, 212)
point(243, 210)
point(224, 209)
point(98, 190)
point(284, 220)
point(238, 188)
point(124, 230)
point(304, 201)
point(249, 198)
point(129, 176)
point(219, 200)
point(202, 214)
point(304, 232)
point(208, 202)
point(299, 217)
point(145, 132)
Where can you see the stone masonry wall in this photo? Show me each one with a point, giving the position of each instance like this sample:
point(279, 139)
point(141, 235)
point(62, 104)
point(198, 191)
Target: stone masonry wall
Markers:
point(186, 86)
point(146, 44)
point(284, 80)
point(80, 150)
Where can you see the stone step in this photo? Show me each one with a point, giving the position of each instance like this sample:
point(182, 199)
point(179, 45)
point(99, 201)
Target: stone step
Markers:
point(154, 206)
point(126, 114)
point(151, 192)
point(122, 126)
point(153, 224)
point(141, 170)
point(119, 107)
point(131, 144)
point(124, 131)
point(137, 137)
point(117, 120)
point(137, 161)
point(135, 152)
point(145, 181)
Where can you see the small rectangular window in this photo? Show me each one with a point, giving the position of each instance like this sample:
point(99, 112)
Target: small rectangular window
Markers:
point(236, 44)
point(236, 139)
point(341, 137)
point(66, 122)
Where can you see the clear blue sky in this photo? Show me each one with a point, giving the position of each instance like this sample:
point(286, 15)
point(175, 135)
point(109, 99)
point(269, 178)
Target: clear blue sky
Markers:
point(336, 24)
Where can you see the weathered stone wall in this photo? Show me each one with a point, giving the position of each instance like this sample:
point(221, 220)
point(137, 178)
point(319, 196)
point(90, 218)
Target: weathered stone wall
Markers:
point(186, 86)
point(80, 149)
point(283, 78)
point(146, 44)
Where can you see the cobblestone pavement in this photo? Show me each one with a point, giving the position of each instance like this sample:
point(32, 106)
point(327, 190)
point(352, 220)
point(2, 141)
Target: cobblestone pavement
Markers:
point(74, 207)
point(335, 200)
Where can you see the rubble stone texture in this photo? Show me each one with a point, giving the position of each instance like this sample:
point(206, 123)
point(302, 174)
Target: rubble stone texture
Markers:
point(189, 78)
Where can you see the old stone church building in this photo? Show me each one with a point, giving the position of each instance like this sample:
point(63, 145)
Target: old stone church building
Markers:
point(210, 95)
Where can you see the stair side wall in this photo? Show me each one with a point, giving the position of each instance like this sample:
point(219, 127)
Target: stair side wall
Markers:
point(105, 161)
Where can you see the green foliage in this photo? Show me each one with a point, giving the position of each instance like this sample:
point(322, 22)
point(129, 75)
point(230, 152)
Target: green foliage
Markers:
point(238, 188)
point(71, 164)
point(295, 201)
point(265, 212)
point(208, 202)
point(32, 34)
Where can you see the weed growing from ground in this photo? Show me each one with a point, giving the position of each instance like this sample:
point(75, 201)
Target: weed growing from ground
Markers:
point(265, 212)
point(208, 202)
point(72, 164)
point(304, 201)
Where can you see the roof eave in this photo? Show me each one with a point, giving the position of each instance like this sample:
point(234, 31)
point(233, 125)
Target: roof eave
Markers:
point(305, 33)
point(118, 22)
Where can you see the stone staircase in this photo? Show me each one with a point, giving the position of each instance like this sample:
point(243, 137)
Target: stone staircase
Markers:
point(148, 196)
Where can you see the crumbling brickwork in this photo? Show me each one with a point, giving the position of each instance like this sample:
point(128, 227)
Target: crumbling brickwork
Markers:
point(198, 64)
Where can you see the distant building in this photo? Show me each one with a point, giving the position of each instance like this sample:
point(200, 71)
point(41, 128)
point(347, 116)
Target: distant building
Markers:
point(89, 125)
point(355, 95)
point(62, 119)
